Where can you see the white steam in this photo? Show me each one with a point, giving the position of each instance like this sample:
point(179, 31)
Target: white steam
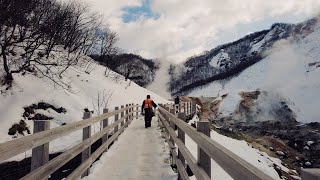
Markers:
point(160, 85)
point(289, 77)
point(286, 76)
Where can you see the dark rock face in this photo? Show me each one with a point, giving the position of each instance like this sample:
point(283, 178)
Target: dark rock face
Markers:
point(30, 114)
point(18, 128)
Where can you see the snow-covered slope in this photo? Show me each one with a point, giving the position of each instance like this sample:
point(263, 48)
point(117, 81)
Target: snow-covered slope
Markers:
point(290, 72)
point(29, 89)
point(236, 56)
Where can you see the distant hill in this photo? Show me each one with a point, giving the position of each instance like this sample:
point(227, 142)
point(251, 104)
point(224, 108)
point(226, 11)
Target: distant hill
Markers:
point(230, 59)
point(134, 67)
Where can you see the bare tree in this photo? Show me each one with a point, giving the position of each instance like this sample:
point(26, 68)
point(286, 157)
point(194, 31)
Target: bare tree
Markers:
point(101, 100)
point(106, 46)
point(50, 37)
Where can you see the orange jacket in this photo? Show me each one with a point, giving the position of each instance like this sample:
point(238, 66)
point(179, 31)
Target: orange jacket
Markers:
point(148, 103)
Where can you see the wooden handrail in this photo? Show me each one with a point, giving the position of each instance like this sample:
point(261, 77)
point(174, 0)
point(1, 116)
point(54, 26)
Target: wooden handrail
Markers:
point(86, 164)
point(17, 146)
point(59, 161)
point(235, 166)
point(199, 173)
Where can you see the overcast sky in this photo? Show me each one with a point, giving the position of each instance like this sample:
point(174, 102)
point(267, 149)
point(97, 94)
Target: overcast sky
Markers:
point(177, 29)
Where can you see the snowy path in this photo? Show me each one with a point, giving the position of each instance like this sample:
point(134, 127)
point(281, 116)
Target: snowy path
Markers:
point(139, 153)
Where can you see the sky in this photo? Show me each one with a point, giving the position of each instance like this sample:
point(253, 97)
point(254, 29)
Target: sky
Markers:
point(174, 30)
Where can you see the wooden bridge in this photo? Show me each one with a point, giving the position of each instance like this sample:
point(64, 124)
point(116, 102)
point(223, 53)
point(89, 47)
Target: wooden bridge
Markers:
point(172, 122)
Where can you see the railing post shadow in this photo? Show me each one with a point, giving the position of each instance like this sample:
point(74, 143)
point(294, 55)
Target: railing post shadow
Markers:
point(40, 154)
point(204, 160)
point(105, 123)
point(86, 133)
point(181, 136)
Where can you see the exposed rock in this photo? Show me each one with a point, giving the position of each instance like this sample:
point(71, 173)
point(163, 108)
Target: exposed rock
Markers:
point(280, 153)
point(30, 113)
point(18, 128)
point(39, 116)
point(308, 163)
point(215, 107)
point(250, 95)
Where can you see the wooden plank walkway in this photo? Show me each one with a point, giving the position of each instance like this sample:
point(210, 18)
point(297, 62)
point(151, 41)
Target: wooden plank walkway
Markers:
point(140, 153)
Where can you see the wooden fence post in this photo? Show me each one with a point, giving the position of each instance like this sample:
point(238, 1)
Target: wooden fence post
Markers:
point(167, 120)
point(127, 114)
point(105, 123)
point(172, 111)
point(130, 115)
point(122, 114)
point(86, 133)
point(186, 109)
point(40, 154)
point(161, 105)
point(194, 107)
point(177, 108)
point(204, 160)
point(181, 136)
point(131, 112)
point(137, 111)
point(116, 118)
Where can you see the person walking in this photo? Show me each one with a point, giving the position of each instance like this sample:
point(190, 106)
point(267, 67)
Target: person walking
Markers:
point(147, 107)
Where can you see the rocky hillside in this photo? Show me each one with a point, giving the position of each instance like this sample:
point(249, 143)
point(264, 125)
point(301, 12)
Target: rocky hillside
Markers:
point(133, 67)
point(230, 59)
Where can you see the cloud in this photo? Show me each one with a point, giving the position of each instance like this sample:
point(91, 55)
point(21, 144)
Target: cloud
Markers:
point(188, 27)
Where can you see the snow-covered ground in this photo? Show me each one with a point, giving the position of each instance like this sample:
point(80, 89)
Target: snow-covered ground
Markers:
point(259, 159)
point(29, 89)
point(285, 73)
point(139, 153)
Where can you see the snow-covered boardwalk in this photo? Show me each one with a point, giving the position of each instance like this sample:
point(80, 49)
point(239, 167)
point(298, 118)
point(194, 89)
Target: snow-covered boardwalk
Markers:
point(139, 153)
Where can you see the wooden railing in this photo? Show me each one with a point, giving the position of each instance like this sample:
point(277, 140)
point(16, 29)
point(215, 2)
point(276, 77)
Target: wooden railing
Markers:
point(208, 149)
point(42, 168)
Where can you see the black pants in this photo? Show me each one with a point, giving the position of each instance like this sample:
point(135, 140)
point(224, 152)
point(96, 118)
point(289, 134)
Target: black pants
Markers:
point(147, 117)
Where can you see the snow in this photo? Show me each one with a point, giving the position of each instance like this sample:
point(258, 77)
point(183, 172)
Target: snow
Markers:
point(139, 153)
point(284, 73)
point(217, 60)
point(259, 159)
point(30, 89)
point(310, 143)
point(214, 61)
point(296, 177)
point(257, 46)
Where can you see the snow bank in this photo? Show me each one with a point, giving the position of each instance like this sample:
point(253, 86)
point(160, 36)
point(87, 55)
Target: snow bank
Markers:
point(259, 159)
point(29, 89)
